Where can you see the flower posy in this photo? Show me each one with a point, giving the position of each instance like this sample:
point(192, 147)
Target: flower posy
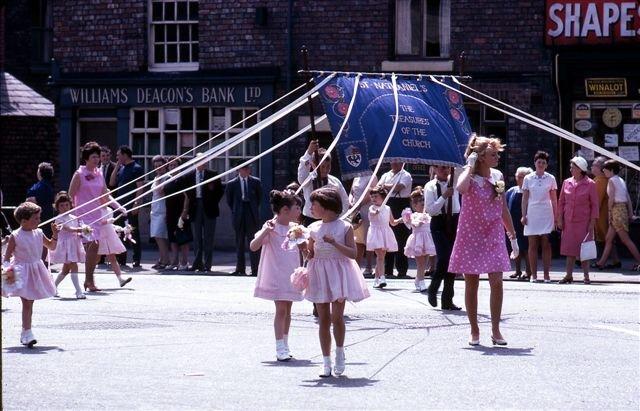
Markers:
point(126, 233)
point(87, 231)
point(296, 235)
point(11, 277)
point(498, 188)
point(300, 279)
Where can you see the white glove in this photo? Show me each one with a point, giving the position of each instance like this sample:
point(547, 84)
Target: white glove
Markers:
point(471, 160)
point(515, 250)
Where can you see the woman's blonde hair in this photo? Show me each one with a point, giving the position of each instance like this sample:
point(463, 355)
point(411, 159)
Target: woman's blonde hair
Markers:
point(479, 144)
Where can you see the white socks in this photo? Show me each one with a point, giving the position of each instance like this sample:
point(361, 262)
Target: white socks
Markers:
point(285, 338)
point(76, 283)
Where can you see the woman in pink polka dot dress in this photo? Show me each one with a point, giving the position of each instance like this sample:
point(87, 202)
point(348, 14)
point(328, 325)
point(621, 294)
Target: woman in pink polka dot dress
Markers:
point(479, 246)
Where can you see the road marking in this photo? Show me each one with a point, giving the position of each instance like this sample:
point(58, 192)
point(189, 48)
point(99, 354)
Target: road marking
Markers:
point(617, 329)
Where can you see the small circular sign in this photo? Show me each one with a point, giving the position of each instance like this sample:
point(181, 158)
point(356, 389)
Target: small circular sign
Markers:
point(583, 125)
point(612, 117)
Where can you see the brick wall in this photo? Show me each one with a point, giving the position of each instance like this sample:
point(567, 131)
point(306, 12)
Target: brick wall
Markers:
point(100, 35)
point(26, 142)
point(500, 36)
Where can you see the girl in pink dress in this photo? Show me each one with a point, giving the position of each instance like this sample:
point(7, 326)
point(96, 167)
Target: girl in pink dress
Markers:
point(277, 263)
point(380, 237)
point(69, 250)
point(479, 246)
point(334, 275)
point(420, 243)
point(110, 245)
point(24, 274)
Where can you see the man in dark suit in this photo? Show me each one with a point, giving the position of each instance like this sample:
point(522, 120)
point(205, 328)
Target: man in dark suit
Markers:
point(201, 208)
point(244, 195)
point(106, 165)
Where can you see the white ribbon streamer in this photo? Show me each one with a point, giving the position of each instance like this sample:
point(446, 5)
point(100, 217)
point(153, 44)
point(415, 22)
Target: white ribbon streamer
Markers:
point(183, 154)
point(539, 124)
point(239, 166)
point(356, 205)
point(333, 144)
point(232, 142)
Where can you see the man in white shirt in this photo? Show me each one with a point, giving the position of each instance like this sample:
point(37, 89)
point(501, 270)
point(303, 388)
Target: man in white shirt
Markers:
point(307, 163)
point(400, 181)
point(442, 203)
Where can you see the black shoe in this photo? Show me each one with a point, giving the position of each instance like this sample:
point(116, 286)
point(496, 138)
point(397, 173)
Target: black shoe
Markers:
point(194, 268)
point(237, 273)
point(136, 264)
point(402, 275)
point(315, 311)
point(614, 265)
point(451, 307)
point(432, 297)
point(254, 274)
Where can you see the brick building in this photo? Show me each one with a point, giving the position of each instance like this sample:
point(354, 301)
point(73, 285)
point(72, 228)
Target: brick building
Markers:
point(165, 75)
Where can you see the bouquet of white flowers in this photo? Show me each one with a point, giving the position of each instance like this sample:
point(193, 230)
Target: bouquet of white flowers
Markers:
point(11, 277)
point(297, 234)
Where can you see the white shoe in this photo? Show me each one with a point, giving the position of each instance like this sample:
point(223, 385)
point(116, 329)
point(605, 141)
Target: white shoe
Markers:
point(376, 283)
point(421, 286)
point(80, 295)
point(283, 354)
point(416, 283)
point(27, 338)
point(325, 371)
point(383, 281)
point(56, 294)
point(338, 369)
point(183, 267)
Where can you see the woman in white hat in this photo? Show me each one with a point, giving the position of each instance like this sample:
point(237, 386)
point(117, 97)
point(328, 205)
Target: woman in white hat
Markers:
point(578, 210)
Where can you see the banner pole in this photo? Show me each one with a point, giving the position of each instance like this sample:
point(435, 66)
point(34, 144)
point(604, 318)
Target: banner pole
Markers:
point(316, 157)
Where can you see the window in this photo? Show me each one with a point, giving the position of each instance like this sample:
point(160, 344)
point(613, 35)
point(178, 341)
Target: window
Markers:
point(173, 131)
point(173, 35)
point(423, 28)
point(41, 35)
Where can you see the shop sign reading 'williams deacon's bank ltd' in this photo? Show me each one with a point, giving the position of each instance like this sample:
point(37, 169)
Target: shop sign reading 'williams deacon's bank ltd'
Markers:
point(591, 22)
point(163, 96)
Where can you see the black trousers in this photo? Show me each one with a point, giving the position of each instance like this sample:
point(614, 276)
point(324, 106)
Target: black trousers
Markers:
point(401, 232)
point(245, 231)
point(137, 253)
point(443, 239)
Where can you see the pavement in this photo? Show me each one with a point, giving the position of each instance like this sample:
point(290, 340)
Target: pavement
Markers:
point(224, 263)
point(168, 341)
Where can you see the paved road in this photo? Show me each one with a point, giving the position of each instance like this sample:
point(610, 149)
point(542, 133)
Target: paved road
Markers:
point(185, 342)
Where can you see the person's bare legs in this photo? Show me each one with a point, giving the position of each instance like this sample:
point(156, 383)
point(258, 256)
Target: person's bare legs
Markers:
point(280, 319)
point(369, 257)
point(571, 261)
point(27, 313)
point(337, 319)
point(324, 323)
point(175, 253)
point(608, 246)
point(495, 303)
point(380, 253)
point(471, 283)
point(421, 266)
point(184, 254)
point(163, 248)
point(626, 240)
point(533, 255)
point(91, 260)
point(546, 255)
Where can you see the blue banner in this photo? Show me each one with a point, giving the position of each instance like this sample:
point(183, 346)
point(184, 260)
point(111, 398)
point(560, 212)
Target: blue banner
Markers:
point(432, 124)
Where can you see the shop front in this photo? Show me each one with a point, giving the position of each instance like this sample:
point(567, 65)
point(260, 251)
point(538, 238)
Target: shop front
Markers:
point(596, 66)
point(169, 115)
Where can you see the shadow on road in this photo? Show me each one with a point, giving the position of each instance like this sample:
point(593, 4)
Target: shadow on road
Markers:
point(38, 349)
point(291, 363)
point(343, 381)
point(501, 351)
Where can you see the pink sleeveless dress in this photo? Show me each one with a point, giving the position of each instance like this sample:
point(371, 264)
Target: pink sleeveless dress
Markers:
point(332, 275)
point(69, 247)
point(420, 242)
point(380, 234)
point(109, 241)
point(480, 246)
point(91, 187)
point(275, 268)
point(36, 280)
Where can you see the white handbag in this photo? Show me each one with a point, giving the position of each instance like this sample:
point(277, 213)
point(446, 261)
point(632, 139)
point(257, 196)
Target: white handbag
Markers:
point(588, 251)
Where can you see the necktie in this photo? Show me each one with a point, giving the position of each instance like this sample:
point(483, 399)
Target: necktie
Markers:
point(244, 188)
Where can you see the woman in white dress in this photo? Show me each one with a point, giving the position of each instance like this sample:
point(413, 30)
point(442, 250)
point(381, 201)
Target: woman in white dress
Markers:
point(158, 229)
point(539, 203)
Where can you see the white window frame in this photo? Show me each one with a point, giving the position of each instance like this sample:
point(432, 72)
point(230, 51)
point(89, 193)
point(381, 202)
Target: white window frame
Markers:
point(179, 66)
point(227, 157)
point(444, 35)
